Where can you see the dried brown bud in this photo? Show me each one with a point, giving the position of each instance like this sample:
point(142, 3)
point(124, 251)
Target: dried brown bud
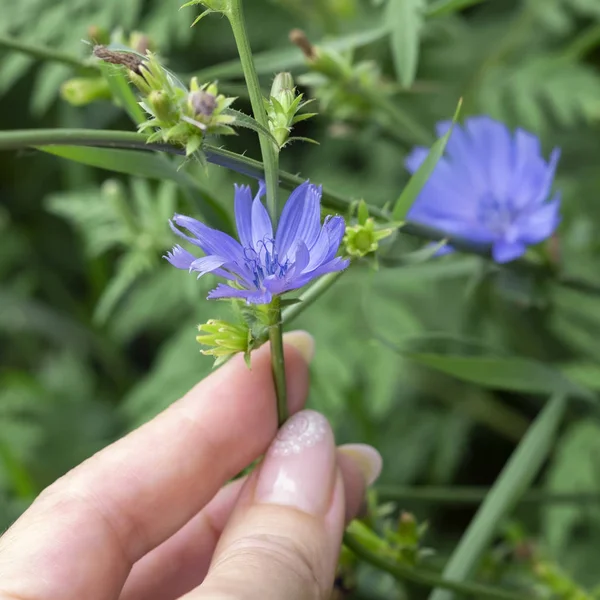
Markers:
point(298, 37)
point(132, 61)
point(203, 103)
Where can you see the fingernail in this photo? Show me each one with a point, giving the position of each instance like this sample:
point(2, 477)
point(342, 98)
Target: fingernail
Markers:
point(366, 458)
point(303, 342)
point(299, 468)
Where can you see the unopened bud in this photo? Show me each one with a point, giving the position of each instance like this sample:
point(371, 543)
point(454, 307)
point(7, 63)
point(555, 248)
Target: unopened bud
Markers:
point(283, 85)
point(361, 240)
point(161, 105)
point(80, 91)
point(202, 103)
point(223, 339)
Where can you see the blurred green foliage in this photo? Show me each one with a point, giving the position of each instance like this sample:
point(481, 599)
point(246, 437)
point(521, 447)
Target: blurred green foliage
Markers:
point(440, 364)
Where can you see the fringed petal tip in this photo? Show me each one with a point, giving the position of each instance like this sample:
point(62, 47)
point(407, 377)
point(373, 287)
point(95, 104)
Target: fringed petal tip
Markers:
point(180, 258)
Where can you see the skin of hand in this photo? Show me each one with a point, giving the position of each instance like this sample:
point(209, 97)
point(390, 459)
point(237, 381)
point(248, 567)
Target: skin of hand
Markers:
point(151, 516)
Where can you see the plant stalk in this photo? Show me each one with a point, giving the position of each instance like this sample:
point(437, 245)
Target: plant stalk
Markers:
point(277, 359)
point(403, 572)
point(270, 155)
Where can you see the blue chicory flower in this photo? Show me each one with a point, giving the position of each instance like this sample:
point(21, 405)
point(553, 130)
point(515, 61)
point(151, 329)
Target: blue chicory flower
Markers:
point(262, 265)
point(490, 187)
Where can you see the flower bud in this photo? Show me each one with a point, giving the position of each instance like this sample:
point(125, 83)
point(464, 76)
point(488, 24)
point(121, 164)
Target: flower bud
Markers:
point(80, 91)
point(361, 240)
point(202, 103)
point(161, 105)
point(283, 89)
point(224, 339)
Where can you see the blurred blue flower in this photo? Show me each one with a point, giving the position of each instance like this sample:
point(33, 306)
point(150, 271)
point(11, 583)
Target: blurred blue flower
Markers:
point(490, 187)
point(262, 265)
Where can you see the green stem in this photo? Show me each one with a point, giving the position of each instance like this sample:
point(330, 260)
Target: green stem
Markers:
point(277, 359)
point(403, 572)
point(476, 495)
point(43, 53)
point(235, 14)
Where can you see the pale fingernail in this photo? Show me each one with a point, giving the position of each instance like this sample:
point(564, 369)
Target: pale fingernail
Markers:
point(366, 458)
point(299, 468)
point(303, 342)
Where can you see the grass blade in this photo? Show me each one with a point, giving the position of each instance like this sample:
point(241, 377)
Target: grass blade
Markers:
point(516, 477)
point(419, 179)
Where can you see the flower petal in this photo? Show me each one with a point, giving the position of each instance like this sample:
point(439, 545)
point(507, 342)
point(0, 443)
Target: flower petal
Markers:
point(210, 240)
point(336, 228)
point(337, 264)
point(207, 264)
point(541, 223)
point(415, 159)
point(503, 252)
point(226, 291)
point(262, 229)
point(243, 214)
point(300, 219)
point(180, 258)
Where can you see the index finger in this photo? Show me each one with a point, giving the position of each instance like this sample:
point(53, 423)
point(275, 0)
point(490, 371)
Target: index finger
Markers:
point(83, 534)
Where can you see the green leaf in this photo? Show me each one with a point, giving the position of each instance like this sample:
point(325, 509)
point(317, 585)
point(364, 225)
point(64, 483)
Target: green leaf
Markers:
point(144, 164)
point(243, 120)
point(131, 267)
point(130, 162)
point(446, 7)
point(419, 179)
point(406, 17)
point(510, 373)
point(516, 477)
point(121, 91)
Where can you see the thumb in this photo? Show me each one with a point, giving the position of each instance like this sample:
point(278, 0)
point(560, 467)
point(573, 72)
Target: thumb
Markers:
point(284, 536)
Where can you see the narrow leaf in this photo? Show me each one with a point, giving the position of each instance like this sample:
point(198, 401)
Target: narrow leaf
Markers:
point(145, 164)
point(406, 19)
point(121, 91)
point(244, 120)
point(503, 373)
point(514, 480)
point(419, 179)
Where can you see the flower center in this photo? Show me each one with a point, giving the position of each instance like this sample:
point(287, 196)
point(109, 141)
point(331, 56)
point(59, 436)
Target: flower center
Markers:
point(264, 262)
point(497, 216)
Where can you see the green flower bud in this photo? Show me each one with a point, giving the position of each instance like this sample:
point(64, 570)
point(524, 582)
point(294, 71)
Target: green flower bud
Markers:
point(361, 240)
point(224, 339)
point(161, 106)
point(283, 89)
point(282, 106)
point(80, 91)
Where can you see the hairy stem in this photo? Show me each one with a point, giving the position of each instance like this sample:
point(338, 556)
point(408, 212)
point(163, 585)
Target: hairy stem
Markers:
point(235, 14)
point(277, 359)
point(403, 572)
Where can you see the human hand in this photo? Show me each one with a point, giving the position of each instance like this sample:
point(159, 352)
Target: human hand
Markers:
point(147, 518)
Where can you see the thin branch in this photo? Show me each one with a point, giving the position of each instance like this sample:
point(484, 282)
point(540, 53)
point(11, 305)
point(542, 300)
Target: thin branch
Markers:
point(403, 572)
